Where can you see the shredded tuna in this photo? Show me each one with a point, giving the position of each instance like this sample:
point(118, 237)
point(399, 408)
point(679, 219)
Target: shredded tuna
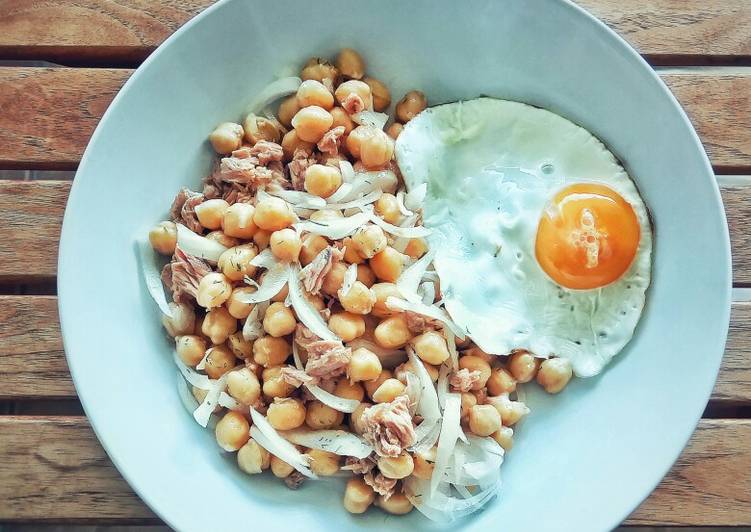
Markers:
point(296, 377)
point(388, 427)
point(327, 359)
point(183, 274)
point(302, 159)
point(380, 484)
point(353, 104)
point(313, 274)
point(331, 140)
point(246, 169)
point(359, 466)
point(418, 323)
point(294, 480)
point(464, 379)
point(266, 151)
point(184, 209)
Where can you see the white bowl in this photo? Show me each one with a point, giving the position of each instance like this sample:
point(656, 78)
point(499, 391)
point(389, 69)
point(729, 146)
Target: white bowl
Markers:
point(583, 460)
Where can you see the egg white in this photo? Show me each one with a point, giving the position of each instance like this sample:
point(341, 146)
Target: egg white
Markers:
point(490, 166)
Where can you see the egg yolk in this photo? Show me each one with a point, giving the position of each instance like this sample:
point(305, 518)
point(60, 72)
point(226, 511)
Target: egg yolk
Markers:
point(587, 236)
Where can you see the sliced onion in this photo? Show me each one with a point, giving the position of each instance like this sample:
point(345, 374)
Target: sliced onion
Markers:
point(227, 401)
point(197, 245)
point(370, 118)
point(413, 390)
point(186, 398)
point(265, 259)
point(272, 283)
point(402, 232)
point(428, 407)
point(416, 197)
point(363, 183)
point(347, 170)
point(335, 229)
point(152, 276)
point(202, 363)
point(450, 429)
point(477, 462)
point(400, 203)
point(338, 442)
point(334, 401)
point(451, 343)
point(306, 312)
point(342, 193)
point(390, 358)
point(400, 244)
point(426, 434)
point(268, 438)
point(194, 378)
point(431, 311)
point(409, 280)
point(440, 506)
point(350, 276)
point(253, 328)
point(206, 408)
point(300, 199)
point(273, 92)
point(442, 386)
point(367, 199)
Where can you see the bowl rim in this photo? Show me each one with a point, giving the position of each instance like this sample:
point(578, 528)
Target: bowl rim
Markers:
point(66, 237)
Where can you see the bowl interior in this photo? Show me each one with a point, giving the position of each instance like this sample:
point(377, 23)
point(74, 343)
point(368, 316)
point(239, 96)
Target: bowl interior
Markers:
point(623, 428)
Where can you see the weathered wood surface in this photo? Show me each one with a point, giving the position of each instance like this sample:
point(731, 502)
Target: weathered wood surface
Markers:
point(54, 470)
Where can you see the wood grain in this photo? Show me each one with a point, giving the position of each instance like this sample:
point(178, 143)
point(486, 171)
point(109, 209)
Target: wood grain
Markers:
point(32, 362)
point(126, 31)
point(47, 115)
point(54, 470)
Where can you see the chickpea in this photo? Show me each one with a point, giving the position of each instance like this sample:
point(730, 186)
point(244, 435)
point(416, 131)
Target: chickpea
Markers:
point(394, 130)
point(475, 363)
point(484, 420)
point(523, 366)
point(261, 128)
point(211, 212)
point(388, 391)
point(312, 245)
point(163, 238)
point(341, 118)
point(287, 110)
point(252, 458)
point(324, 215)
point(197, 324)
point(219, 361)
point(312, 122)
point(291, 142)
point(315, 300)
point(238, 221)
point(280, 468)
point(356, 138)
point(475, 351)
point(239, 346)
point(381, 94)
point(397, 467)
point(504, 437)
point(243, 385)
point(270, 351)
point(357, 88)
point(392, 332)
point(469, 400)
point(347, 326)
point(273, 214)
point(431, 347)
point(416, 248)
point(554, 374)
point(213, 290)
point(235, 263)
point(261, 239)
point(413, 103)
point(511, 411)
point(313, 92)
point(365, 275)
point(387, 265)
point(424, 464)
point(286, 413)
point(349, 390)
point(320, 416)
point(351, 255)
point(333, 280)
point(320, 70)
point(388, 208)
point(279, 320)
point(369, 240)
point(322, 180)
point(182, 321)
point(350, 64)
point(190, 348)
point(372, 385)
point(286, 245)
point(377, 149)
point(364, 365)
point(226, 138)
point(274, 385)
point(236, 308)
point(355, 418)
point(500, 381)
point(358, 300)
point(218, 325)
point(382, 292)
point(224, 239)
point(397, 504)
point(323, 463)
point(232, 431)
point(358, 496)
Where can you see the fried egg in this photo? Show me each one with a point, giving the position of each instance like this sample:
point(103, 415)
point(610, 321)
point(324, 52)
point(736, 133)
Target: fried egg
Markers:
point(542, 240)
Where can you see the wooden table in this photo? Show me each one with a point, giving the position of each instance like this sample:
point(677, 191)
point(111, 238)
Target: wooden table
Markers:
point(52, 469)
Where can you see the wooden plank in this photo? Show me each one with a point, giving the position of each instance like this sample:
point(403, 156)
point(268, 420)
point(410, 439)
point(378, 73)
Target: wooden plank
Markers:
point(29, 331)
point(668, 31)
point(54, 470)
point(737, 202)
point(49, 114)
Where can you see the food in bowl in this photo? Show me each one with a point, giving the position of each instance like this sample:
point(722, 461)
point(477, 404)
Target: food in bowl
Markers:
point(353, 301)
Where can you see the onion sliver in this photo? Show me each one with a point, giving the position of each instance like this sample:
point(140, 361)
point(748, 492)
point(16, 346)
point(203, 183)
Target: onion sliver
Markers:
point(273, 282)
point(197, 245)
point(402, 232)
point(306, 312)
point(428, 406)
point(206, 408)
point(253, 328)
point(350, 276)
point(265, 259)
point(298, 198)
point(450, 429)
point(431, 311)
point(152, 276)
point(367, 199)
point(370, 118)
point(338, 442)
point(267, 437)
point(334, 229)
point(409, 280)
point(273, 92)
point(334, 401)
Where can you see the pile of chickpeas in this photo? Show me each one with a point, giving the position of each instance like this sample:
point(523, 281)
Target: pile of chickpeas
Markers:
point(211, 330)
